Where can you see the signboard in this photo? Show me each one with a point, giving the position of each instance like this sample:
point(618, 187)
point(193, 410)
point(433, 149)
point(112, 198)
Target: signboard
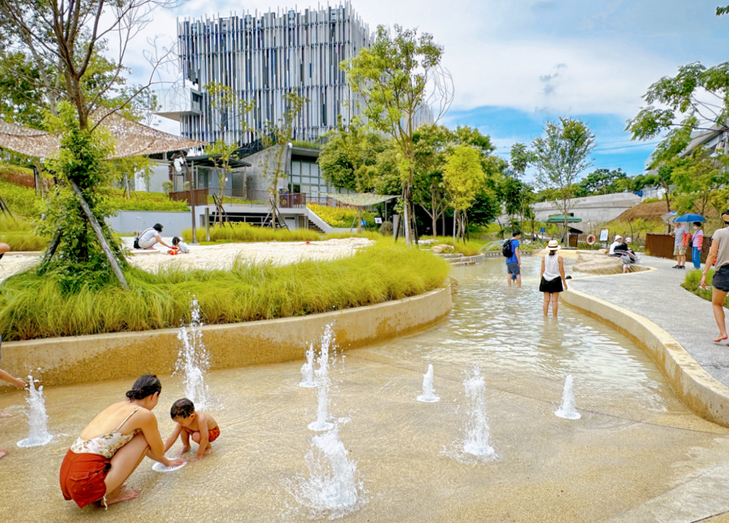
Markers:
point(543, 230)
point(603, 235)
point(378, 220)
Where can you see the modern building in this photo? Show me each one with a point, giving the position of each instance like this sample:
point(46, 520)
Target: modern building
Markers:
point(262, 57)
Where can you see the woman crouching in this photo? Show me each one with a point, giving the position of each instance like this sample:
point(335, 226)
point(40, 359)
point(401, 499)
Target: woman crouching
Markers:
point(112, 446)
point(552, 278)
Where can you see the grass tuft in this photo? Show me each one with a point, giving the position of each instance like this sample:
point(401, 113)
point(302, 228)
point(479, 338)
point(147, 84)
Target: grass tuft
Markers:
point(243, 232)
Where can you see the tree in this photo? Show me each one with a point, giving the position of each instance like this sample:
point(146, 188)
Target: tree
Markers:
point(398, 77)
point(431, 148)
point(699, 181)
point(227, 107)
point(602, 181)
point(560, 156)
point(463, 177)
point(277, 138)
point(66, 38)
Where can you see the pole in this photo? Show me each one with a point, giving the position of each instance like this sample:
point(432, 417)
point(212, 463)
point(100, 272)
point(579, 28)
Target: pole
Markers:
point(192, 201)
point(207, 224)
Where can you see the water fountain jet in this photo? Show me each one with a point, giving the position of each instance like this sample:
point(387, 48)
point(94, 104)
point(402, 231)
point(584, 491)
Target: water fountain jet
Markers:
point(307, 369)
point(567, 409)
point(477, 431)
point(428, 395)
point(193, 359)
point(38, 434)
point(322, 382)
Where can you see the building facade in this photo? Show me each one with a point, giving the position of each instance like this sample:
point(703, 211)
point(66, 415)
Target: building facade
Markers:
point(262, 57)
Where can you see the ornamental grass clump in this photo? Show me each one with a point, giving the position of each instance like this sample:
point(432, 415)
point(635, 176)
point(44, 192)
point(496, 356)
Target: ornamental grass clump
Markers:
point(244, 232)
point(32, 306)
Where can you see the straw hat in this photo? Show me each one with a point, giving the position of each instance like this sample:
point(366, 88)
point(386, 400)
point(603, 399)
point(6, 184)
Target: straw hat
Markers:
point(725, 215)
point(553, 245)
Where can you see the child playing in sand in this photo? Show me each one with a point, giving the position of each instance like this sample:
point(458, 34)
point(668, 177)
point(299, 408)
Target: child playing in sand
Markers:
point(180, 246)
point(200, 425)
point(20, 384)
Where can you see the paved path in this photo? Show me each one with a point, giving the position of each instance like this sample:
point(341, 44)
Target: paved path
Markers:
point(658, 297)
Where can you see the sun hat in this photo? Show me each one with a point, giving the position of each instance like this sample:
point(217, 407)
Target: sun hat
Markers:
point(553, 245)
point(628, 240)
point(618, 237)
point(725, 215)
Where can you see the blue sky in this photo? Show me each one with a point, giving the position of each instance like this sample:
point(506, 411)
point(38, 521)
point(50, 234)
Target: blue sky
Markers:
point(518, 63)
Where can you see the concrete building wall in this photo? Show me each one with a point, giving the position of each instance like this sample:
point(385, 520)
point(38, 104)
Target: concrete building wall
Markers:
point(594, 209)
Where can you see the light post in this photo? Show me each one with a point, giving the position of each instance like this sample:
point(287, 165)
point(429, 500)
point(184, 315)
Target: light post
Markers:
point(180, 162)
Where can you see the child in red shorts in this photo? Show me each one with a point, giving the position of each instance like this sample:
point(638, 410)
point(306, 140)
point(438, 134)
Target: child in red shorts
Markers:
point(200, 425)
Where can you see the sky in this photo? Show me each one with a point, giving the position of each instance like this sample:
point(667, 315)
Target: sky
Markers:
point(519, 63)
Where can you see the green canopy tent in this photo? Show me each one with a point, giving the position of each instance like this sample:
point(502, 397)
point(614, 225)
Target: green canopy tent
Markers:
point(559, 219)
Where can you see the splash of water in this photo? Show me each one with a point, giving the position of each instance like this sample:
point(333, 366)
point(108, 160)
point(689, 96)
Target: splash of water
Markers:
point(193, 359)
point(428, 395)
point(567, 409)
point(332, 489)
point(307, 369)
point(322, 382)
point(38, 434)
point(477, 442)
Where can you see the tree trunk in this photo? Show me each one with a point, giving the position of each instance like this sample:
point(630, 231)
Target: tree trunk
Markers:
point(100, 236)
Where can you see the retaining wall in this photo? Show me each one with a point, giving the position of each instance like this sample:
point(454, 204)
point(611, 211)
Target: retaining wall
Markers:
point(82, 359)
point(699, 391)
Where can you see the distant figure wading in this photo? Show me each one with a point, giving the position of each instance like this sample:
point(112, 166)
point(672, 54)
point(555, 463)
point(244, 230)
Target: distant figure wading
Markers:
point(552, 278)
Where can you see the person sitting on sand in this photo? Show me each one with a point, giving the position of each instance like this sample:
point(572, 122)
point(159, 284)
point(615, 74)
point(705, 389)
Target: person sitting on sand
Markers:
point(112, 446)
point(180, 246)
point(20, 384)
point(200, 425)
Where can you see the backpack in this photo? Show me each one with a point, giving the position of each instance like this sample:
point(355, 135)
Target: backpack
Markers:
point(506, 249)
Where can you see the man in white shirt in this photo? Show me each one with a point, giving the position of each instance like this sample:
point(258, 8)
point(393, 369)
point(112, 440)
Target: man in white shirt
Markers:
point(618, 240)
point(150, 237)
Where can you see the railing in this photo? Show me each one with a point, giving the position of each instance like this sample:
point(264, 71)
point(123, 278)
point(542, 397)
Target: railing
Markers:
point(200, 196)
point(291, 200)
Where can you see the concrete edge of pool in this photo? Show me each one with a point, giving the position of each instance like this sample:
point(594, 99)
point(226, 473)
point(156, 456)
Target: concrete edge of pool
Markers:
point(695, 387)
point(83, 359)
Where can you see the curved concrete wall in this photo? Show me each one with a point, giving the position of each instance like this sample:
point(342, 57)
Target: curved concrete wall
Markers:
point(701, 392)
point(81, 359)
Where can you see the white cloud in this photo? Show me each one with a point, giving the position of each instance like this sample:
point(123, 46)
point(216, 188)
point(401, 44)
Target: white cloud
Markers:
point(525, 55)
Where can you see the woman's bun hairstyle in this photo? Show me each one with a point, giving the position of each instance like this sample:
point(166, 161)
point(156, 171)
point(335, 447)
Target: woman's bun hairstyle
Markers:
point(145, 386)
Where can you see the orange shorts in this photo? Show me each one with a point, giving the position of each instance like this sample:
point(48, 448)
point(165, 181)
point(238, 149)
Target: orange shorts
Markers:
point(82, 477)
point(213, 434)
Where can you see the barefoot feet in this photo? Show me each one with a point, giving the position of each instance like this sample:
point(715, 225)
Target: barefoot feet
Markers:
point(6, 414)
point(122, 495)
point(720, 338)
point(3, 452)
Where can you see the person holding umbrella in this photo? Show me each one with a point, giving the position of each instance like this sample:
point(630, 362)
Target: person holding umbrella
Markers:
point(719, 257)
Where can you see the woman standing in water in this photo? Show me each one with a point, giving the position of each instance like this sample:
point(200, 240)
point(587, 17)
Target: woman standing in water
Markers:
point(112, 446)
point(552, 278)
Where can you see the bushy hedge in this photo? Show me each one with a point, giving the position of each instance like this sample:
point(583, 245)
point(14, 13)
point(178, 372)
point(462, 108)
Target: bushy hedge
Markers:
point(20, 200)
point(340, 217)
point(691, 283)
point(33, 306)
point(146, 201)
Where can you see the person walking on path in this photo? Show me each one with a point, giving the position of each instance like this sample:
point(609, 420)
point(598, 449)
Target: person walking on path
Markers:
point(719, 257)
point(552, 278)
point(679, 245)
point(513, 262)
point(697, 242)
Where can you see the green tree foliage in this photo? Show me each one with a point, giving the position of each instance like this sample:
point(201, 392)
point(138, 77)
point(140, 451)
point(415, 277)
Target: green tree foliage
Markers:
point(392, 77)
point(80, 164)
point(560, 156)
point(602, 181)
point(700, 181)
point(463, 177)
point(349, 158)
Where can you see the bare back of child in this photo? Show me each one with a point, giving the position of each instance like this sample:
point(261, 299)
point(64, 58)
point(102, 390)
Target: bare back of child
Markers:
point(196, 425)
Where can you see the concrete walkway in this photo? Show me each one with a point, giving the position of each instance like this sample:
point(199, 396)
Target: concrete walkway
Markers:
point(657, 296)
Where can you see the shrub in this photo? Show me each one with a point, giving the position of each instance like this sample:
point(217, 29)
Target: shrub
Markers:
point(24, 241)
point(33, 306)
point(244, 232)
point(386, 228)
point(691, 283)
point(20, 200)
point(340, 217)
point(145, 201)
